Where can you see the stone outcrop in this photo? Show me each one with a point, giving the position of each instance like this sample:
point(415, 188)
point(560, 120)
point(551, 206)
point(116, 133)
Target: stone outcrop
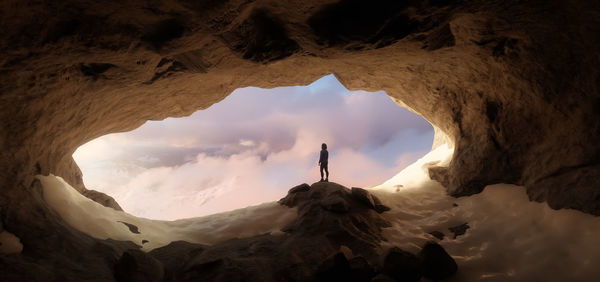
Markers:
point(512, 84)
point(330, 210)
point(319, 245)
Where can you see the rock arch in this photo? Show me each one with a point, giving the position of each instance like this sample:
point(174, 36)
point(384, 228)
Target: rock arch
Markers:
point(513, 84)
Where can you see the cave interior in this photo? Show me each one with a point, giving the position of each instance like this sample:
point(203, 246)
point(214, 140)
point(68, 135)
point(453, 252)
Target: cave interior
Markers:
point(511, 86)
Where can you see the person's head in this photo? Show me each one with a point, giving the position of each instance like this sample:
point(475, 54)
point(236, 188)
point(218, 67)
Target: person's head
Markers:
point(324, 146)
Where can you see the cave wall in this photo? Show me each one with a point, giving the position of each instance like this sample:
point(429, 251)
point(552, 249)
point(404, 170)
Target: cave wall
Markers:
point(513, 84)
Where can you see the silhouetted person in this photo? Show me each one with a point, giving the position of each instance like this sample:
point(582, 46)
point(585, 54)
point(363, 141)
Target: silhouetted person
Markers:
point(323, 159)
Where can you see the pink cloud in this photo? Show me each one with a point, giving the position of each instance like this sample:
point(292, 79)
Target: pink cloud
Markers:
point(216, 184)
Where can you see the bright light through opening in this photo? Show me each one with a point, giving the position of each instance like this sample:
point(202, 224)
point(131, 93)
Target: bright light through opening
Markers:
point(252, 147)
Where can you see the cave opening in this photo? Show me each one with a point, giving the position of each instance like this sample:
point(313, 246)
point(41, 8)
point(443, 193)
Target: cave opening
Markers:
point(511, 85)
point(252, 147)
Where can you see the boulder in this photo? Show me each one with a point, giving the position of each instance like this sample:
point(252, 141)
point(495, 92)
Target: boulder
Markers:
point(402, 265)
point(436, 263)
point(334, 268)
point(361, 269)
point(339, 268)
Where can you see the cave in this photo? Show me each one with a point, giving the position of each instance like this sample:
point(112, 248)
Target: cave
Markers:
point(511, 86)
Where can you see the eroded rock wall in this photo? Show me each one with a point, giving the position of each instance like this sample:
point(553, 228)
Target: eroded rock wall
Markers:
point(513, 84)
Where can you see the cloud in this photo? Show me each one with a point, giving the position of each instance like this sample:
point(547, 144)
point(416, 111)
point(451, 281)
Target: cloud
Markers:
point(252, 147)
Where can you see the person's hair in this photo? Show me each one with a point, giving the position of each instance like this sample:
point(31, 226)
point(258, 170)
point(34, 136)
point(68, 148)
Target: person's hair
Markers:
point(324, 146)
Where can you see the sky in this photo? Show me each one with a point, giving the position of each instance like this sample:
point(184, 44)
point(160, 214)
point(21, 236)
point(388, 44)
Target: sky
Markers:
point(252, 147)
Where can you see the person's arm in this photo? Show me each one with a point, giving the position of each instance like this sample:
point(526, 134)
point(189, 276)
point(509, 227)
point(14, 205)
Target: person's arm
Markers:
point(321, 157)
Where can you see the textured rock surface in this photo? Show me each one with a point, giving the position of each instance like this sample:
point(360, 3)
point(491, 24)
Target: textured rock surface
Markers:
point(513, 84)
point(514, 89)
point(320, 245)
point(309, 249)
point(368, 199)
point(364, 196)
point(329, 209)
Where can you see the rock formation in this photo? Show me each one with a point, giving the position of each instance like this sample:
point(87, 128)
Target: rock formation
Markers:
point(512, 84)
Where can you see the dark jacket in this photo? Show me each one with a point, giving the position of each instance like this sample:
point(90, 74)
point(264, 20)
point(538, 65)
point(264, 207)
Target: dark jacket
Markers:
point(324, 156)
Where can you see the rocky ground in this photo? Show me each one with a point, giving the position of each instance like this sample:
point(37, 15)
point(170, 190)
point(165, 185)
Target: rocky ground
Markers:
point(335, 238)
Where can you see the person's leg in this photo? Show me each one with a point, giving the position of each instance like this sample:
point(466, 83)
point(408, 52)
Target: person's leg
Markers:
point(321, 172)
point(327, 173)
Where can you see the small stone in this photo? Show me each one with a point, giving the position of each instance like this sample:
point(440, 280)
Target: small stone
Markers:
point(436, 262)
point(459, 229)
